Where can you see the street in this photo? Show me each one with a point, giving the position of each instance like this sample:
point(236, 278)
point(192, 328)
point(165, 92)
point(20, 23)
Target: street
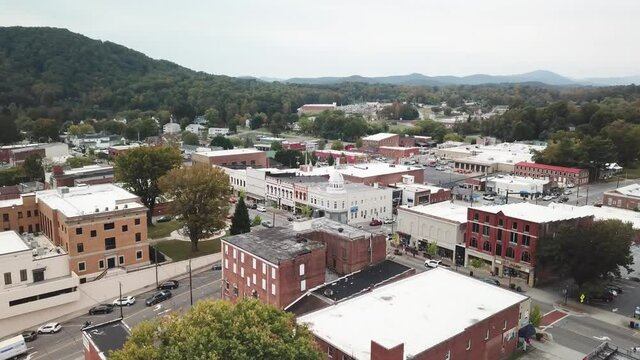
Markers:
point(67, 344)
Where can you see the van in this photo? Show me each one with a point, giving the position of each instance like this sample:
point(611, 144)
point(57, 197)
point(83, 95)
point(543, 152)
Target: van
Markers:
point(12, 348)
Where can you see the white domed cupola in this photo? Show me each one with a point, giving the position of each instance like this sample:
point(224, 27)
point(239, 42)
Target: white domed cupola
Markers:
point(336, 182)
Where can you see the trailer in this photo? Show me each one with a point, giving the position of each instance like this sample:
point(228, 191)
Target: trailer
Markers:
point(12, 348)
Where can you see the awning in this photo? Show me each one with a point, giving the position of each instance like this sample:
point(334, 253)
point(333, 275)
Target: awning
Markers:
point(527, 331)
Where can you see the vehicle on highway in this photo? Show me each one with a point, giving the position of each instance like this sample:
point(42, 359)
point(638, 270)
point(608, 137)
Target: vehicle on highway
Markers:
point(50, 328)
point(375, 222)
point(158, 297)
point(261, 208)
point(101, 309)
point(12, 348)
point(389, 221)
point(29, 335)
point(432, 263)
point(163, 219)
point(124, 301)
point(267, 223)
point(492, 281)
point(489, 197)
point(216, 266)
point(169, 285)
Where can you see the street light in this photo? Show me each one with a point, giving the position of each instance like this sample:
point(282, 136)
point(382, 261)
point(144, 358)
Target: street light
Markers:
point(190, 288)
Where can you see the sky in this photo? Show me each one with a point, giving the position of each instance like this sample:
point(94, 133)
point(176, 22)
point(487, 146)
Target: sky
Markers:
point(298, 38)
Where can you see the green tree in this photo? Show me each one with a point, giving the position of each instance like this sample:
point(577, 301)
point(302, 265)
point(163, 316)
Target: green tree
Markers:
point(11, 176)
point(306, 211)
point(140, 168)
point(276, 146)
point(9, 133)
point(81, 129)
point(337, 145)
point(536, 316)
point(290, 158)
point(33, 169)
point(241, 223)
point(45, 130)
point(453, 137)
point(213, 118)
point(432, 249)
point(217, 329)
point(189, 138)
point(79, 161)
point(257, 220)
point(330, 160)
point(306, 125)
point(201, 195)
point(221, 141)
point(359, 143)
point(588, 254)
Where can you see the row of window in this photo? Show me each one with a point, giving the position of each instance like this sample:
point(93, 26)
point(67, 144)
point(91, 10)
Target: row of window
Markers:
point(109, 243)
point(5, 216)
point(38, 275)
point(21, 228)
point(82, 265)
point(521, 170)
point(510, 252)
point(107, 226)
point(487, 219)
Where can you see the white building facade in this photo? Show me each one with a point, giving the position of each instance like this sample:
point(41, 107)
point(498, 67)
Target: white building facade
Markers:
point(171, 128)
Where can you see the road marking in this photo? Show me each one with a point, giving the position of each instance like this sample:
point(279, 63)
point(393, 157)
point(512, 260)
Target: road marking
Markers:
point(164, 312)
point(562, 315)
point(157, 307)
point(603, 338)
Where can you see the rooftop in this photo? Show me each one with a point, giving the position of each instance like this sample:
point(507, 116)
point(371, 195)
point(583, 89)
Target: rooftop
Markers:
point(11, 242)
point(510, 153)
point(414, 311)
point(11, 202)
point(365, 170)
point(378, 136)
point(334, 227)
point(532, 212)
point(400, 147)
point(108, 336)
point(444, 210)
point(85, 200)
point(519, 180)
point(632, 190)
point(419, 187)
point(601, 213)
point(549, 167)
point(273, 244)
point(88, 169)
point(229, 152)
point(341, 152)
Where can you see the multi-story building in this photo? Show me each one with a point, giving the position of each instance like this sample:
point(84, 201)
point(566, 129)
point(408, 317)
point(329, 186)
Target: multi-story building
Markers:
point(443, 223)
point(99, 226)
point(487, 159)
point(557, 174)
point(370, 173)
point(100, 339)
point(116, 150)
point(87, 175)
point(626, 197)
point(341, 156)
point(16, 154)
point(274, 265)
point(516, 186)
point(506, 237)
point(418, 194)
point(239, 158)
point(409, 319)
point(372, 143)
point(214, 131)
point(20, 214)
point(281, 189)
point(171, 128)
point(36, 275)
point(398, 153)
point(311, 109)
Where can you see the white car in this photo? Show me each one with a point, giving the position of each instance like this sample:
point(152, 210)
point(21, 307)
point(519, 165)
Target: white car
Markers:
point(568, 192)
point(432, 263)
point(389, 221)
point(261, 209)
point(489, 197)
point(124, 301)
point(440, 168)
point(50, 328)
point(571, 185)
point(547, 198)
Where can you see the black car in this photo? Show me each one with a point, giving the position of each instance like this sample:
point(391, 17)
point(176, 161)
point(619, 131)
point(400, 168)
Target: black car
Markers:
point(101, 309)
point(160, 296)
point(164, 219)
point(254, 206)
point(615, 288)
point(290, 218)
point(29, 335)
point(605, 296)
point(217, 266)
point(168, 285)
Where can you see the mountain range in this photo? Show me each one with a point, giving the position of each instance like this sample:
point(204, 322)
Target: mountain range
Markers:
point(538, 76)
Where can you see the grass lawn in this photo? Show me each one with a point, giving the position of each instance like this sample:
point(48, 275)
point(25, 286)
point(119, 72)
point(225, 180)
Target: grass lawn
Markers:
point(181, 250)
point(164, 229)
point(631, 172)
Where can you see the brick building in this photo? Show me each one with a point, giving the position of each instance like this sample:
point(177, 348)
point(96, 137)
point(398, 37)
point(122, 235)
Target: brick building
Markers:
point(273, 265)
point(372, 143)
point(116, 150)
point(100, 226)
point(505, 237)
point(9, 192)
point(232, 158)
point(344, 157)
point(20, 214)
point(626, 197)
point(557, 174)
point(87, 175)
point(388, 322)
point(398, 153)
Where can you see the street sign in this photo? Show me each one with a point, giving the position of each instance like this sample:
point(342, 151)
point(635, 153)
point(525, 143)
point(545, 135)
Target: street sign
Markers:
point(581, 298)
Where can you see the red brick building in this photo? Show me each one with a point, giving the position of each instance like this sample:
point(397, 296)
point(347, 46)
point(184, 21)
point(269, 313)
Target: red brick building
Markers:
point(558, 174)
point(89, 175)
point(273, 265)
point(408, 319)
point(121, 149)
point(232, 158)
point(294, 146)
point(372, 143)
point(381, 173)
point(398, 153)
point(627, 197)
point(506, 236)
point(346, 157)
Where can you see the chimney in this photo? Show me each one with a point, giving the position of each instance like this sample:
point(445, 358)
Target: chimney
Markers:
point(57, 170)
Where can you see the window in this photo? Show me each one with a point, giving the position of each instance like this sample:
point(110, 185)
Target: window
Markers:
point(121, 260)
point(94, 233)
point(254, 279)
point(28, 213)
point(475, 228)
point(80, 247)
point(526, 240)
point(476, 217)
point(505, 325)
point(500, 234)
point(35, 212)
point(469, 344)
point(19, 214)
point(7, 278)
point(136, 221)
point(5, 217)
point(514, 226)
point(486, 336)
point(525, 256)
point(485, 230)
point(235, 290)
point(510, 253)
point(264, 284)
point(242, 257)
point(110, 243)
point(264, 269)
point(226, 263)
point(447, 356)
point(235, 253)
point(125, 228)
point(101, 264)
point(498, 249)
point(138, 237)
point(82, 266)
point(21, 229)
point(273, 273)
point(254, 263)
point(486, 246)
point(303, 285)
point(23, 275)
point(329, 352)
point(273, 289)
point(473, 242)
point(301, 269)
point(248, 281)
point(486, 219)
point(514, 237)
point(38, 275)
point(526, 228)
point(226, 249)
point(109, 226)
point(235, 268)
point(138, 254)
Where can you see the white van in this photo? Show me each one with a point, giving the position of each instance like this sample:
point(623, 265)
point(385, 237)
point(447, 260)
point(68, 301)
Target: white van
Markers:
point(13, 347)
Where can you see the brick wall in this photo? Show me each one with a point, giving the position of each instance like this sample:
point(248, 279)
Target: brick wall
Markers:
point(418, 175)
point(620, 201)
point(345, 256)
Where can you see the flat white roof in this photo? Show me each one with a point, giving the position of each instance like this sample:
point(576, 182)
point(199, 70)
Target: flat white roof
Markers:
point(11, 202)
point(601, 213)
point(419, 187)
point(87, 168)
point(84, 200)
point(531, 212)
point(399, 147)
point(629, 190)
point(342, 152)
point(11, 242)
point(229, 152)
point(510, 153)
point(518, 180)
point(378, 136)
point(443, 210)
point(420, 311)
point(363, 170)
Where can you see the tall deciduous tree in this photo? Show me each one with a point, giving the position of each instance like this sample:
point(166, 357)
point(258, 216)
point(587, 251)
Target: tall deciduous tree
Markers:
point(9, 133)
point(189, 138)
point(140, 168)
point(201, 195)
point(240, 223)
point(588, 254)
point(218, 329)
point(33, 169)
point(222, 142)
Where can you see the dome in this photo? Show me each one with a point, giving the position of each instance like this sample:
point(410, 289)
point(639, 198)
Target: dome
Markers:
point(335, 177)
point(336, 182)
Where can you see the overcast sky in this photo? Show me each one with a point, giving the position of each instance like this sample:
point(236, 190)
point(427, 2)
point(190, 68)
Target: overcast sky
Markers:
point(576, 38)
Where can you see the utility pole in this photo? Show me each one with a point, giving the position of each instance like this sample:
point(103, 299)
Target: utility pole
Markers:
point(190, 287)
point(120, 300)
point(586, 202)
point(155, 252)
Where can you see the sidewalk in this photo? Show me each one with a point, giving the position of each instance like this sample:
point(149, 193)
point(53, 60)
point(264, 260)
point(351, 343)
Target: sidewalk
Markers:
point(548, 350)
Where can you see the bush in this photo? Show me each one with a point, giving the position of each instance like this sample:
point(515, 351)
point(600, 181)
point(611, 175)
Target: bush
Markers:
point(257, 220)
point(536, 316)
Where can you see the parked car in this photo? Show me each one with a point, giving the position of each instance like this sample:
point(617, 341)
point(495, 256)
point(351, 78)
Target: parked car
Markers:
point(567, 192)
point(290, 218)
point(124, 301)
point(50, 328)
point(440, 168)
point(570, 185)
point(375, 222)
point(169, 285)
point(636, 312)
point(267, 223)
point(162, 219)
point(432, 263)
point(605, 296)
point(261, 208)
point(615, 287)
point(158, 297)
point(547, 198)
point(101, 309)
point(217, 266)
point(29, 335)
point(492, 281)
point(389, 221)
point(489, 197)
point(254, 206)
point(563, 199)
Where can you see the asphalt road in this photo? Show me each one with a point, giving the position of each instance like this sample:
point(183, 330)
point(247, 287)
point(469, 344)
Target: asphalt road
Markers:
point(67, 344)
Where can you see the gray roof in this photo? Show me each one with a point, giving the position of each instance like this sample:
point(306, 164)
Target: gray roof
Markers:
point(274, 244)
point(331, 226)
